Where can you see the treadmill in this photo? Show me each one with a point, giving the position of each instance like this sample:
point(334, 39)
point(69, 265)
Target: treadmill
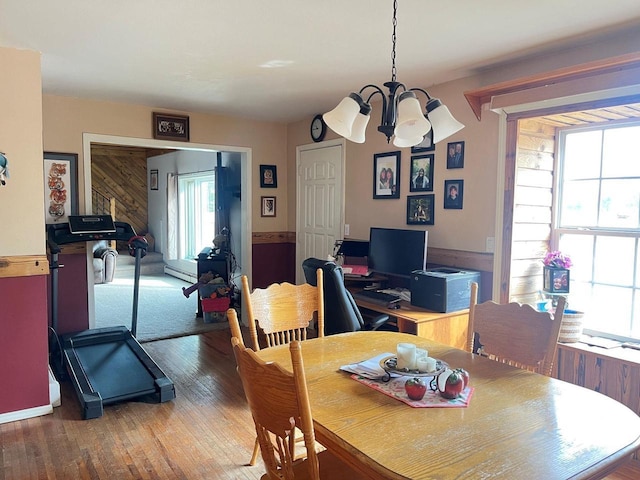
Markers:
point(105, 365)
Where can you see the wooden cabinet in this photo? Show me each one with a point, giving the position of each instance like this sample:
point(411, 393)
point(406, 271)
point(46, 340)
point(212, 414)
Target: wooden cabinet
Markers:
point(447, 328)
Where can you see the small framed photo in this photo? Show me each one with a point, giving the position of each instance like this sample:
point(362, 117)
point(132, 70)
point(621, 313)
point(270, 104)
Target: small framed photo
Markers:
point(426, 145)
point(455, 155)
point(60, 186)
point(386, 171)
point(453, 190)
point(268, 206)
point(421, 174)
point(268, 176)
point(420, 209)
point(170, 127)
point(153, 180)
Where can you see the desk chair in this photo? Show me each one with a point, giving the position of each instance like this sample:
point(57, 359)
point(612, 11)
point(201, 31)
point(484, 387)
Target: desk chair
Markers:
point(279, 403)
point(283, 312)
point(514, 334)
point(341, 312)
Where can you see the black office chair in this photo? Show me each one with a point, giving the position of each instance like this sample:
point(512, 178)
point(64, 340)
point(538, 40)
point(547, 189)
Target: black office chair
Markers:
point(340, 310)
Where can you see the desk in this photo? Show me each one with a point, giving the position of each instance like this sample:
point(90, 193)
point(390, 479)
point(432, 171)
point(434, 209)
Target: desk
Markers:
point(448, 328)
point(519, 425)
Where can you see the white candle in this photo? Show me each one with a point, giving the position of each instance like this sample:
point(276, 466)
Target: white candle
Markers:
point(430, 364)
point(421, 352)
point(423, 364)
point(406, 356)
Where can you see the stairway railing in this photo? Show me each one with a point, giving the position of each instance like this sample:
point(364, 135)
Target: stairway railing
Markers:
point(103, 205)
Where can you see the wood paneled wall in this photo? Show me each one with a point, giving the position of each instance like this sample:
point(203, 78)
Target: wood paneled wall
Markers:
point(121, 173)
point(613, 372)
point(532, 208)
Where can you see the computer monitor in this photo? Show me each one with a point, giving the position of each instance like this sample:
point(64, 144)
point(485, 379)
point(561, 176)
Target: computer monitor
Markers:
point(397, 252)
point(354, 248)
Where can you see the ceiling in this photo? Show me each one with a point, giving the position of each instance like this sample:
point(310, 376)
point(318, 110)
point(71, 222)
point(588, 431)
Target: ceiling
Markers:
point(284, 60)
point(596, 115)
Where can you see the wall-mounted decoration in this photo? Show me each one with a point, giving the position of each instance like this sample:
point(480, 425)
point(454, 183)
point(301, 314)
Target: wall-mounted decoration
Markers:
point(170, 127)
point(420, 209)
point(386, 172)
point(453, 190)
point(268, 206)
point(268, 176)
point(421, 174)
point(153, 180)
point(60, 186)
point(4, 169)
point(455, 155)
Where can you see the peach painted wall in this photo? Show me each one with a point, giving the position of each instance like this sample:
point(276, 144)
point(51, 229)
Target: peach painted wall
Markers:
point(21, 199)
point(66, 119)
point(464, 229)
point(23, 300)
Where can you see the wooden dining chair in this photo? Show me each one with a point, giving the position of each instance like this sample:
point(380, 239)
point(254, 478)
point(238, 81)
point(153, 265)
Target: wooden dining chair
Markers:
point(279, 403)
point(283, 312)
point(514, 334)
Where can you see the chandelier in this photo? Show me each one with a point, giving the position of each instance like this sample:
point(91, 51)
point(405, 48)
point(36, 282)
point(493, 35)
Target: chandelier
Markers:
point(402, 115)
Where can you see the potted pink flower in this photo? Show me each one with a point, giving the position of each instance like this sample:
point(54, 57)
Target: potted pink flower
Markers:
point(556, 272)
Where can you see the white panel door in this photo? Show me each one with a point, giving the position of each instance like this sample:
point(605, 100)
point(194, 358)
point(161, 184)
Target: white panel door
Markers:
point(320, 202)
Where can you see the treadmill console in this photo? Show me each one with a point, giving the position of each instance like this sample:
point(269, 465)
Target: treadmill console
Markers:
point(91, 224)
point(87, 228)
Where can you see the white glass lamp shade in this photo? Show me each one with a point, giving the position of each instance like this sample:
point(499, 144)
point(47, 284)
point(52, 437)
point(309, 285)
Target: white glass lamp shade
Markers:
point(406, 142)
point(341, 118)
point(359, 128)
point(410, 122)
point(443, 123)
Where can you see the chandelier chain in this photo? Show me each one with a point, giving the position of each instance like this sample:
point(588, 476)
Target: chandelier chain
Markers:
point(393, 42)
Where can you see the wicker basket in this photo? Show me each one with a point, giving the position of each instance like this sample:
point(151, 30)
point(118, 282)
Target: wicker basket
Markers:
point(571, 328)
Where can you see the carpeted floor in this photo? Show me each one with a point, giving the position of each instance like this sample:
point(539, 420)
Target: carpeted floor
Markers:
point(163, 310)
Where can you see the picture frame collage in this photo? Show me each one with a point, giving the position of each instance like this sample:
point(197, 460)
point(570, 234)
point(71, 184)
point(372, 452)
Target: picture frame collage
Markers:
point(421, 201)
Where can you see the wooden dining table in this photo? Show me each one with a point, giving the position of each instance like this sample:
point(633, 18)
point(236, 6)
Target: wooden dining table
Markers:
point(517, 425)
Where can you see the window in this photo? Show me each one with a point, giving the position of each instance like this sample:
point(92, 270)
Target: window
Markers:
point(598, 224)
point(196, 213)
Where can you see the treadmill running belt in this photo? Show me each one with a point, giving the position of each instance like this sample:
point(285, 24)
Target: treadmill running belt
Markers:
point(102, 363)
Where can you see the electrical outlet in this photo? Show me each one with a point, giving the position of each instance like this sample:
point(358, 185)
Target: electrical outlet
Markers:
point(346, 229)
point(490, 245)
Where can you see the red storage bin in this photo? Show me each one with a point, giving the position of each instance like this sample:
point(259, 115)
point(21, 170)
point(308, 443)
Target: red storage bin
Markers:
point(220, 304)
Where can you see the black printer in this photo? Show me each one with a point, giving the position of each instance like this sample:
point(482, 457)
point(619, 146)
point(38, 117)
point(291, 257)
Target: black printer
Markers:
point(442, 289)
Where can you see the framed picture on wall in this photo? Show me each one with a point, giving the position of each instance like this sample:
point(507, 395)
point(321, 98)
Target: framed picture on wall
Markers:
point(60, 186)
point(170, 127)
point(386, 171)
point(420, 209)
point(426, 145)
point(268, 176)
point(453, 190)
point(268, 206)
point(455, 155)
point(153, 180)
point(421, 174)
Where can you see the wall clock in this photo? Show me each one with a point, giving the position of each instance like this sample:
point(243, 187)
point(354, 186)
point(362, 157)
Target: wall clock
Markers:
point(318, 128)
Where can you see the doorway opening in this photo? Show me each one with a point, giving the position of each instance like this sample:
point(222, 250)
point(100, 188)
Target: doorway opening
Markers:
point(154, 191)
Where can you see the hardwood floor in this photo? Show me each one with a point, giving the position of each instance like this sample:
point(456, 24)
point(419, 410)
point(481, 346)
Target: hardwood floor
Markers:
point(205, 433)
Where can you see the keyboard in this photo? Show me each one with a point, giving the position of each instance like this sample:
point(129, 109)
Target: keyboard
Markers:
point(379, 298)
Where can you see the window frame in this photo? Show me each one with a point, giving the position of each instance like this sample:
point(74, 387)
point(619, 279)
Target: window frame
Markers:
point(595, 231)
point(187, 249)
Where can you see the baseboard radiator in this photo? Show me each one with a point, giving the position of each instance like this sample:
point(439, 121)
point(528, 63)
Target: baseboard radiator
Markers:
point(186, 276)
